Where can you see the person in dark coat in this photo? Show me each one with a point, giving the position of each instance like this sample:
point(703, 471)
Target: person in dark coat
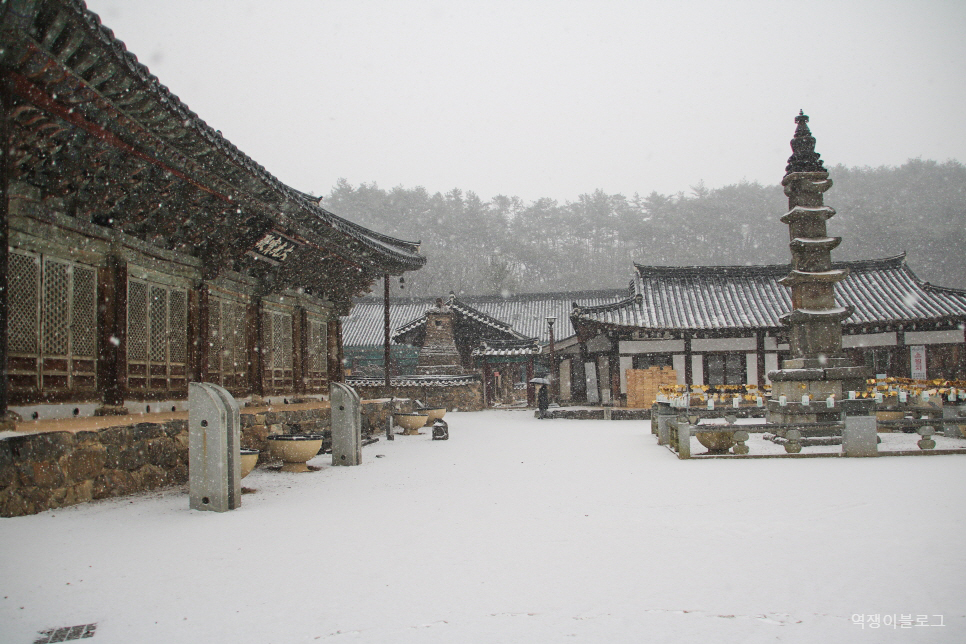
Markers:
point(543, 400)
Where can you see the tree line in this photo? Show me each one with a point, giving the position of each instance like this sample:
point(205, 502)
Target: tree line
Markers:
point(507, 246)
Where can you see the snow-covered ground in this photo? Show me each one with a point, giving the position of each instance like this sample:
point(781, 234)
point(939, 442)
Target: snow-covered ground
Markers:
point(514, 530)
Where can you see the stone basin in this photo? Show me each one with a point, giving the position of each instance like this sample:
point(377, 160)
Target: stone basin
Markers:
point(294, 450)
point(718, 442)
point(435, 413)
point(410, 422)
point(249, 458)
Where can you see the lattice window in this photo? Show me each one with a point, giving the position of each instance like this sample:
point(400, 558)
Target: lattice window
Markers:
point(56, 320)
point(137, 321)
point(228, 346)
point(157, 332)
point(23, 281)
point(281, 341)
point(52, 333)
point(178, 326)
point(158, 317)
point(318, 349)
point(277, 349)
point(83, 322)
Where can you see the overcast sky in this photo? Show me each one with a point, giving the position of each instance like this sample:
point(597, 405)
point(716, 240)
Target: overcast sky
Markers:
point(557, 98)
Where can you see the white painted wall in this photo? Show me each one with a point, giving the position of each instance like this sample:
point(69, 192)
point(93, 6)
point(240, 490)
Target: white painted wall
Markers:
point(954, 336)
point(723, 344)
point(627, 362)
point(651, 346)
point(697, 369)
point(870, 340)
point(751, 362)
point(678, 362)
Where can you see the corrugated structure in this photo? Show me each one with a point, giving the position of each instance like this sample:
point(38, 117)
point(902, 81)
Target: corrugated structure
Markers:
point(723, 300)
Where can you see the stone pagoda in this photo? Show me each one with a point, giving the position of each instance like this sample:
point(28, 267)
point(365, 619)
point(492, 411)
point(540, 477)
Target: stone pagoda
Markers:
point(438, 355)
point(817, 366)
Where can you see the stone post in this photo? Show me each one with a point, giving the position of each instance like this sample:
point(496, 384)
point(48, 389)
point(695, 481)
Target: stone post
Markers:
point(214, 458)
point(664, 413)
point(859, 437)
point(954, 431)
point(346, 425)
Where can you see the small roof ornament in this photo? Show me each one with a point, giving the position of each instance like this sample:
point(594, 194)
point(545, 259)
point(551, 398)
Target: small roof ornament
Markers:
point(804, 157)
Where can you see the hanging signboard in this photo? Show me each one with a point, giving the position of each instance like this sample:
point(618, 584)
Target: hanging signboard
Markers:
point(274, 247)
point(917, 362)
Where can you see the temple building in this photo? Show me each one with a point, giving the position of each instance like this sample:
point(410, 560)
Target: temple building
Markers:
point(828, 325)
point(722, 325)
point(141, 250)
point(502, 341)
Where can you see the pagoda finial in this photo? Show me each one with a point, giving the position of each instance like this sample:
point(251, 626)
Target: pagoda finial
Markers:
point(804, 157)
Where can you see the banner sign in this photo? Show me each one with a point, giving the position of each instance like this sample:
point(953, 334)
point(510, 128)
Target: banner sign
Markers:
point(917, 362)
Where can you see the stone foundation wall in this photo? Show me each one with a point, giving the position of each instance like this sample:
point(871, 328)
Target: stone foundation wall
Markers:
point(463, 397)
point(43, 471)
point(40, 472)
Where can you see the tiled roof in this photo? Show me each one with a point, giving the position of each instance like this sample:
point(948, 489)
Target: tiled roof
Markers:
point(708, 298)
point(414, 381)
point(525, 313)
point(523, 347)
point(57, 54)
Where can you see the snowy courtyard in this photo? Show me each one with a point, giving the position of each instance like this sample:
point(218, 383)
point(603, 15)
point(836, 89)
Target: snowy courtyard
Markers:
point(514, 530)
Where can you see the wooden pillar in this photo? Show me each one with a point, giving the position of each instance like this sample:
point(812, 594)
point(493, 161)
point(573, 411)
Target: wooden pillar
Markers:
point(112, 315)
point(531, 390)
point(581, 392)
point(615, 373)
point(256, 372)
point(6, 421)
point(554, 367)
point(387, 353)
point(760, 356)
point(487, 379)
point(960, 350)
point(335, 369)
point(688, 368)
point(202, 332)
point(903, 365)
point(299, 349)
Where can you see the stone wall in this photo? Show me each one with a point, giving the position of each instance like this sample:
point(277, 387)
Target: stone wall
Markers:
point(43, 471)
point(40, 472)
